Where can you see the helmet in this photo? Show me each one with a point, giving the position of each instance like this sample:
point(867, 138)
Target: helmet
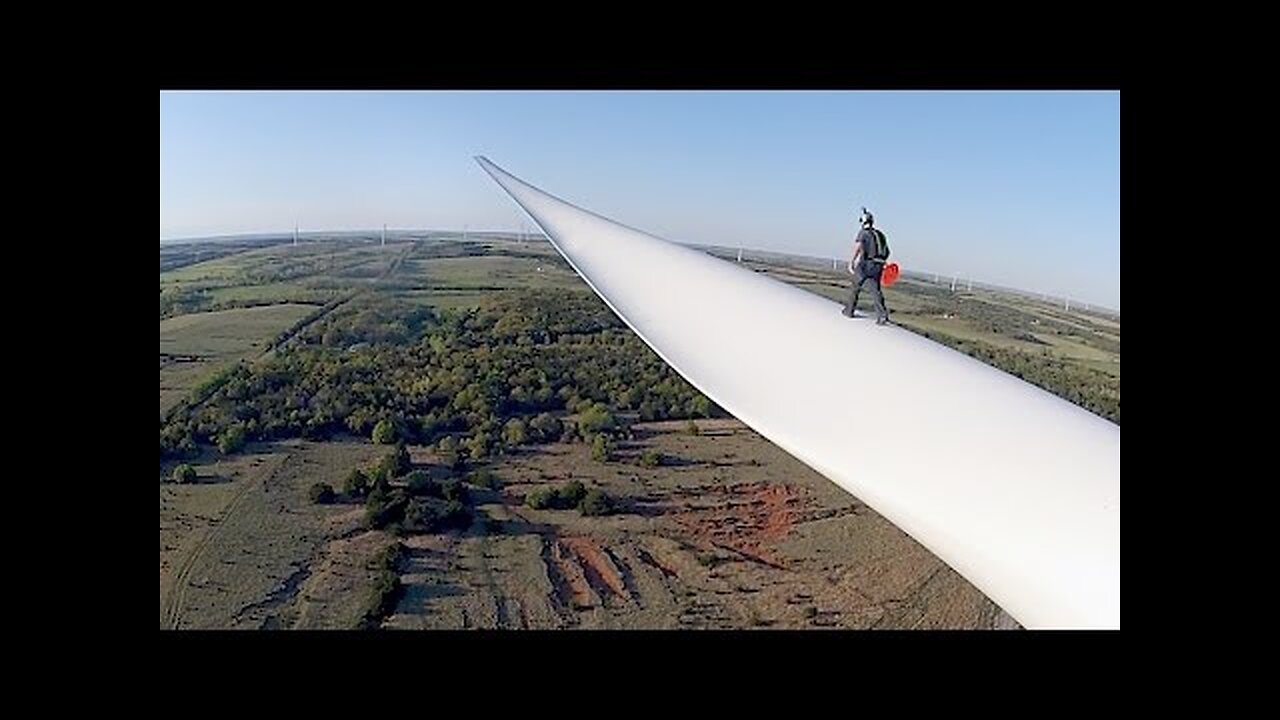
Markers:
point(866, 219)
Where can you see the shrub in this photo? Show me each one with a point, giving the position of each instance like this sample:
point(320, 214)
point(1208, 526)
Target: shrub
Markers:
point(700, 406)
point(596, 419)
point(454, 490)
point(390, 557)
point(421, 516)
point(570, 433)
point(232, 440)
point(601, 449)
point(321, 494)
point(595, 502)
point(540, 499)
point(420, 483)
point(396, 463)
point(546, 428)
point(571, 494)
point(387, 588)
point(356, 484)
point(384, 507)
point(484, 479)
point(378, 478)
point(447, 450)
point(184, 474)
point(565, 497)
point(384, 433)
point(456, 515)
point(515, 432)
point(479, 446)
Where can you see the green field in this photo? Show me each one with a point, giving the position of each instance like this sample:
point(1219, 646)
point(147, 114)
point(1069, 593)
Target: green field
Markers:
point(273, 294)
point(487, 273)
point(193, 347)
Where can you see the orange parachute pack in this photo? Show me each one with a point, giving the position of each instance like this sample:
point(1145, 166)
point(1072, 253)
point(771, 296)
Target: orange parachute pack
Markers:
point(889, 275)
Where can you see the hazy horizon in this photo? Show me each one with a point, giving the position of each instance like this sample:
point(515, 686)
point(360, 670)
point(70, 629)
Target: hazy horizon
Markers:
point(1018, 189)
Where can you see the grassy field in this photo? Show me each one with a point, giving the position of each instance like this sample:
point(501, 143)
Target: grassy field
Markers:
point(243, 547)
point(474, 275)
point(309, 273)
point(194, 346)
point(274, 294)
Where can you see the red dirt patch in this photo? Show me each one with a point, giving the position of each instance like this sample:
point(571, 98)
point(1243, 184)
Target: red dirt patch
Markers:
point(599, 570)
point(746, 517)
point(570, 575)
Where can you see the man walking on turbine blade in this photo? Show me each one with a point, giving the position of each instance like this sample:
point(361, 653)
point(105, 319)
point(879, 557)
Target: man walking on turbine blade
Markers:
point(870, 250)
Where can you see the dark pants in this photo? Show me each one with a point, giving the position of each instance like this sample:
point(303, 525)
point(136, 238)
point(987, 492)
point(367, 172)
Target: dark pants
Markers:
point(868, 273)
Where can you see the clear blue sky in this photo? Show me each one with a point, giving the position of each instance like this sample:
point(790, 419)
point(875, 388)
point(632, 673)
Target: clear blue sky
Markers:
point(1015, 188)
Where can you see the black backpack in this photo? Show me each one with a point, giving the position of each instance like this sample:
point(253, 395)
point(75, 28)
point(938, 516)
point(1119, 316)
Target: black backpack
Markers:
point(880, 246)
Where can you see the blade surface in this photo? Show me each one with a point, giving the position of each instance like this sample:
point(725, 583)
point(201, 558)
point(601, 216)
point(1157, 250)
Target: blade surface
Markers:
point(1013, 487)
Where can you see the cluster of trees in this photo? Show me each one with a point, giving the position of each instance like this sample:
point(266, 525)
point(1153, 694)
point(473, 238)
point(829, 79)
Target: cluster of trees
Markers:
point(399, 499)
point(387, 588)
point(473, 383)
point(368, 318)
point(288, 333)
point(571, 495)
point(484, 479)
point(175, 300)
point(565, 497)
